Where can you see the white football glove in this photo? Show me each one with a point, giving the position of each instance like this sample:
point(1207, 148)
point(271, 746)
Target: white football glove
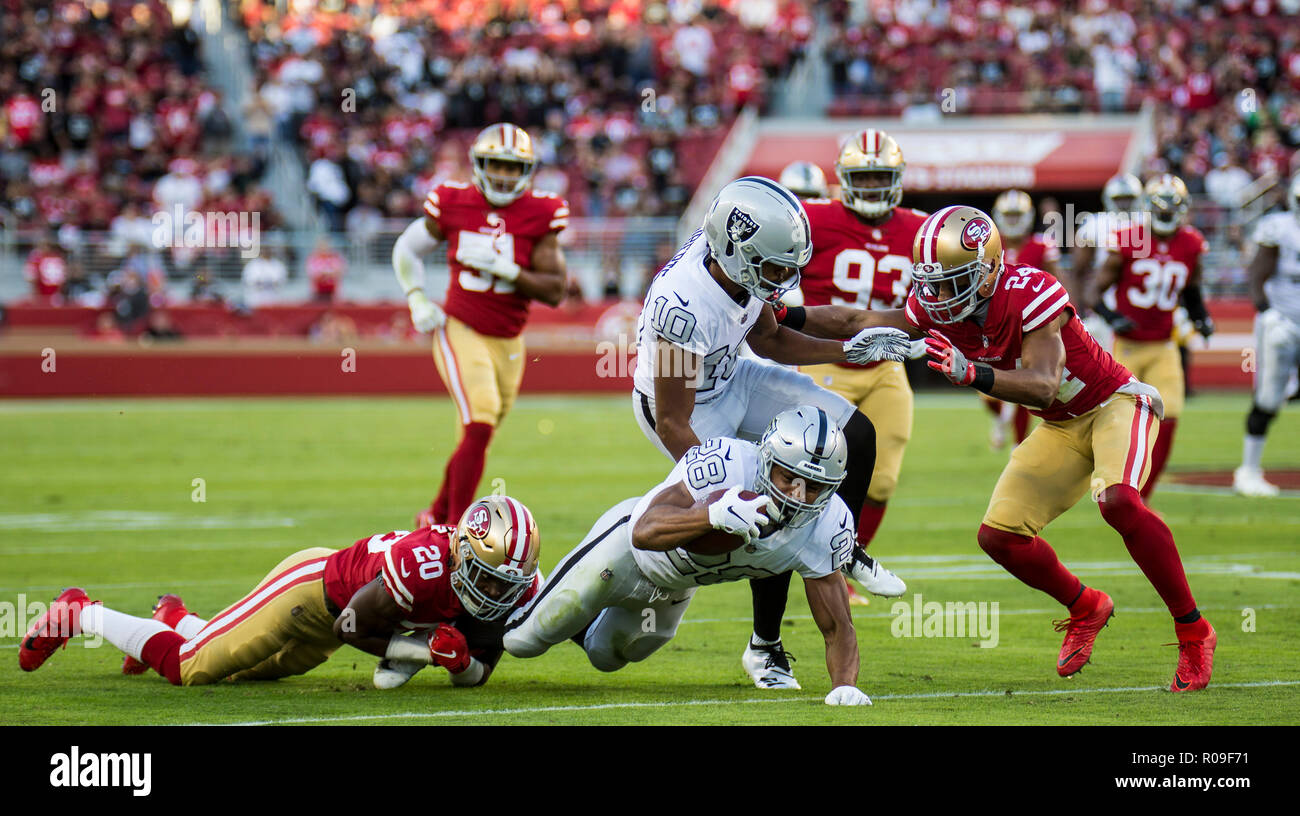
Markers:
point(389, 674)
point(485, 259)
point(847, 695)
point(426, 315)
point(915, 349)
point(879, 343)
point(741, 517)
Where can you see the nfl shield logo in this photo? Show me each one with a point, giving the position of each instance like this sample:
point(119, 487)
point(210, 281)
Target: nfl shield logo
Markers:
point(740, 227)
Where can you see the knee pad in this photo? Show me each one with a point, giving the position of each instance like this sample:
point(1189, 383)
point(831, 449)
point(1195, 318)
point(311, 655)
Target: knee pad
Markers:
point(1258, 420)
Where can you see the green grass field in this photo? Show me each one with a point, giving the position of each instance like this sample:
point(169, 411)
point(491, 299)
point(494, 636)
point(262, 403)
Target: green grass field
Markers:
point(100, 494)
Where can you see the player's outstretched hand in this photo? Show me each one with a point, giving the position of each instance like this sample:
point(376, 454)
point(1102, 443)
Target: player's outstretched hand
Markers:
point(741, 517)
point(948, 360)
point(915, 349)
point(426, 316)
point(390, 674)
point(847, 695)
point(877, 343)
point(447, 648)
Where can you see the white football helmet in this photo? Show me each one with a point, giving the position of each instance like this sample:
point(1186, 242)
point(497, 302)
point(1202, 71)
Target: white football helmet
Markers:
point(755, 222)
point(1013, 212)
point(1120, 187)
point(805, 180)
point(806, 442)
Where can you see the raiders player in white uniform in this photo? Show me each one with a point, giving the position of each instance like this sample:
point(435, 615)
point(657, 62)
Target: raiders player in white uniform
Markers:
point(713, 296)
point(623, 591)
point(1275, 287)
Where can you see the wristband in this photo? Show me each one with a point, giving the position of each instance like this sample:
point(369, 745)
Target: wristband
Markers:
point(792, 317)
point(472, 676)
point(983, 377)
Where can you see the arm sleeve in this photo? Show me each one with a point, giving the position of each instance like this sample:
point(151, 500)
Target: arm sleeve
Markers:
point(413, 243)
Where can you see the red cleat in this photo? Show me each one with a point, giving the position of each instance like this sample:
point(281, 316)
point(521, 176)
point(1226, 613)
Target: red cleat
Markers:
point(1196, 642)
point(857, 598)
point(52, 630)
point(425, 518)
point(1081, 633)
point(169, 610)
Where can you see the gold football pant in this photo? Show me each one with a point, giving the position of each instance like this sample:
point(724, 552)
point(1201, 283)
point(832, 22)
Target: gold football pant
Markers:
point(1061, 461)
point(1156, 363)
point(482, 373)
point(279, 629)
point(884, 395)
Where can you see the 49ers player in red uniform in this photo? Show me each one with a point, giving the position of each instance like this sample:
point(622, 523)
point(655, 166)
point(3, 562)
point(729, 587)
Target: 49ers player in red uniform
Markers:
point(862, 257)
point(504, 252)
point(1010, 331)
point(1154, 266)
point(1014, 215)
point(443, 582)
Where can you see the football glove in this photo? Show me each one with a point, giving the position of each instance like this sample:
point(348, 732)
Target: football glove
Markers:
point(389, 674)
point(1119, 323)
point(426, 316)
point(848, 696)
point(916, 349)
point(877, 343)
point(948, 360)
point(741, 517)
point(447, 648)
point(485, 259)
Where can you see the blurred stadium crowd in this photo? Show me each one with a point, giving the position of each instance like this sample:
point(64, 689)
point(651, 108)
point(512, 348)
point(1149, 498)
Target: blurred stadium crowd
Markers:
point(107, 114)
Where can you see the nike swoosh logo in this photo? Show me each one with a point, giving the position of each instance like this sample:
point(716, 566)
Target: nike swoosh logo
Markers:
point(1181, 683)
point(681, 300)
point(1060, 663)
point(733, 512)
point(451, 656)
point(1039, 286)
point(405, 574)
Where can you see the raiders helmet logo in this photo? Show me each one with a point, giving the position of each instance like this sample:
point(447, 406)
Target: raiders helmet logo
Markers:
point(975, 233)
point(479, 521)
point(740, 227)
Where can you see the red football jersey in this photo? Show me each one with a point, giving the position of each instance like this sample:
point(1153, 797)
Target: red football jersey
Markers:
point(1026, 299)
point(858, 264)
point(1155, 270)
point(1035, 252)
point(484, 302)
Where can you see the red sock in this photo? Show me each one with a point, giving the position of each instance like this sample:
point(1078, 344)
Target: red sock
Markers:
point(163, 653)
point(994, 406)
point(869, 522)
point(1150, 544)
point(464, 470)
point(1033, 561)
point(1160, 455)
point(1022, 423)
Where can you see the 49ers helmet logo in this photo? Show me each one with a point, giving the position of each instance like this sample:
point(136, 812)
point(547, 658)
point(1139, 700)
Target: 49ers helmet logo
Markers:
point(975, 233)
point(479, 521)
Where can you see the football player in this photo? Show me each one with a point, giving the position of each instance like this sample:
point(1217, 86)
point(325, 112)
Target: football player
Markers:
point(437, 581)
point(1154, 266)
point(504, 252)
point(1011, 332)
point(862, 258)
point(622, 592)
point(1015, 217)
point(1275, 288)
point(716, 293)
point(805, 179)
point(1120, 198)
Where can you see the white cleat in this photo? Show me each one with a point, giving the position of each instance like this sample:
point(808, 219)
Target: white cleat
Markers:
point(874, 578)
point(1249, 481)
point(769, 666)
point(390, 674)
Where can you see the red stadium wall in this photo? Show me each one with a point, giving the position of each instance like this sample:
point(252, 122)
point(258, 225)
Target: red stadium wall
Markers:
point(569, 351)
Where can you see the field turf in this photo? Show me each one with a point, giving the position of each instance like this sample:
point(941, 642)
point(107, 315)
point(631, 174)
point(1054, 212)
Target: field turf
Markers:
point(101, 494)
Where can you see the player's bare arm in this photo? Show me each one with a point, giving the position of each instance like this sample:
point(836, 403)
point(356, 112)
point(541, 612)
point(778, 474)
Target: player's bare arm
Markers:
point(831, 322)
point(544, 281)
point(1262, 267)
point(785, 345)
point(884, 319)
point(672, 519)
point(828, 600)
point(675, 376)
point(370, 619)
point(1036, 383)
point(1194, 301)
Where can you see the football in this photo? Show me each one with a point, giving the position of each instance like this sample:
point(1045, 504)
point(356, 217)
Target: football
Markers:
point(717, 542)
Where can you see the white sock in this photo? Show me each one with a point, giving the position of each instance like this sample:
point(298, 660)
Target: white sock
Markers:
point(758, 641)
point(1251, 451)
point(1007, 413)
point(126, 632)
point(189, 626)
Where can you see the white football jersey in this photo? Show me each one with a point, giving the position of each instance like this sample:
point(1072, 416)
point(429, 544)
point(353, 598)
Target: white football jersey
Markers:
point(687, 307)
point(814, 550)
point(1282, 230)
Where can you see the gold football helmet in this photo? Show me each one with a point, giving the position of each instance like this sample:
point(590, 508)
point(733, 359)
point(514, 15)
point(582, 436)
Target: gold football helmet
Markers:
point(805, 180)
point(498, 547)
point(870, 170)
point(1168, 201)
point(502, 142)
point(956, 262)
point(1013, 212)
